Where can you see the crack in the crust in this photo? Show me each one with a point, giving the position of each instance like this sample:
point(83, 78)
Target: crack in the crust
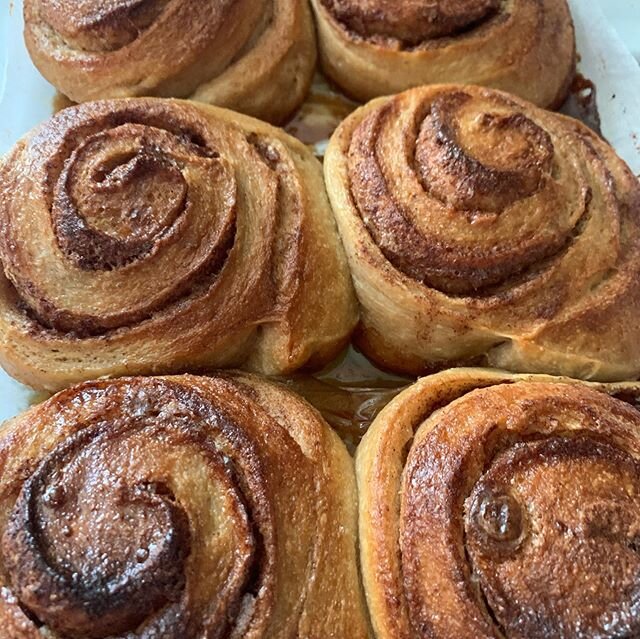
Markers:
point(474, 582)
point(630, 397)
point(32, 617)
point(241, 614)
point(264, 24)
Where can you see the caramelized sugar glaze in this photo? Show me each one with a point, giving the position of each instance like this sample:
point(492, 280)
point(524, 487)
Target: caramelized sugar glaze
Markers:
point(497, 505)
point(320, 115)
point(177, 507)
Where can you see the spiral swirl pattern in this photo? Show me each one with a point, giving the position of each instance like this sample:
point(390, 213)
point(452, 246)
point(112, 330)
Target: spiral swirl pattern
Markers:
point(178, 507)
point(499, 505)
point(150, 235)
point(493, 230)
point(412, 22)
point(378, 47)
point(254, 56)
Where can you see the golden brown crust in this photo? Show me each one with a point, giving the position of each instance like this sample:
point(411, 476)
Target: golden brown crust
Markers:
point(151, 235)
point(378, 47)
point(236, 518)
point(480, 228)
point(253, 56)
point(499, 505)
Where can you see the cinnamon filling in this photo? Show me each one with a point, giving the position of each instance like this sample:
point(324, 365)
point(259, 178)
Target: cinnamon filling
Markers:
point(411, 21)
point(98, 26)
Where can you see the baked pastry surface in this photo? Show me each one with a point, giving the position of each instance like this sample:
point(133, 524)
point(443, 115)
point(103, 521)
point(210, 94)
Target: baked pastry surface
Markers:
point(480, 228)
point(177, 507)
point(379, 47)
point(253, 56)
point(147, 235)
point(498, 505)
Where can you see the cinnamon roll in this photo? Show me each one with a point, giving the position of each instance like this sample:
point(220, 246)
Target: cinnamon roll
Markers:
point(378, 47)
point(253, 56)
point(147, 235)
point(482, 229)
point(494, 505)
point(178, 507)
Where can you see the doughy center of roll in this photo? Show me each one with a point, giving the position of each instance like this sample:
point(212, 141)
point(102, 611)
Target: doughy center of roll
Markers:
point(100, 25)
point(411, 21)
point(553, 534)
point(478, 158)
point(117, 196)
